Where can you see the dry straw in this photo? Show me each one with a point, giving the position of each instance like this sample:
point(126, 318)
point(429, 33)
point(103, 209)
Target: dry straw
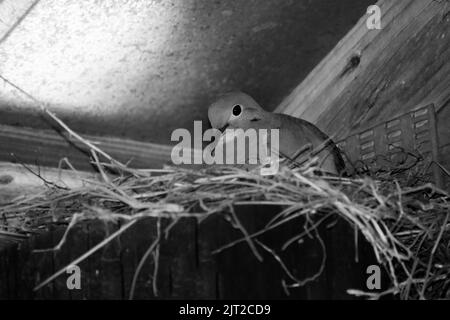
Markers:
point(408, 228)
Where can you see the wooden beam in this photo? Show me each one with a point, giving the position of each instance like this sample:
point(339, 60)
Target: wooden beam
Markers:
point(18, 180)
point(47, 147)
point(375, 75)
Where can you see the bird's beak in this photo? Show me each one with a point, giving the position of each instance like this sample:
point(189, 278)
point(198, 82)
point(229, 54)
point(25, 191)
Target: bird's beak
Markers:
point(224, 128)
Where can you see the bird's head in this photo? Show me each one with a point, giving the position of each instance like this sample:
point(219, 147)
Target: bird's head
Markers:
point(235, 110)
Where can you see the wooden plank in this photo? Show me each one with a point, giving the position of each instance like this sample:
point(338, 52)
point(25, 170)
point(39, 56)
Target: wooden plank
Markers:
point(110, 267)
point(445, 162)
point(134, 243)
point(18, 180)
point(20, 277)
point(184, 259)
point(241, 275)
point(234, 273)
point(335, 62)
point(347, 260)
point(206, 239)
point(4, 289)
point(314, 255)
point(404, 65)
point(389, 90)
point(434, 144)
point(48, 147)
point(443, 127)
point(75, 245)
point(60, 259)
point(42, 265)
point(9, 271)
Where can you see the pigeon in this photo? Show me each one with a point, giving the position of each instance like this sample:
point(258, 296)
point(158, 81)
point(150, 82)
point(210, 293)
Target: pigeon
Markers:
point(299, 140)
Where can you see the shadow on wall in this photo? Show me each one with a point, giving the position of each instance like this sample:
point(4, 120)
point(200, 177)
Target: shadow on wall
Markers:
point(142, 69)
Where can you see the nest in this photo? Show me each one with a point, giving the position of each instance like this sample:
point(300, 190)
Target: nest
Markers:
point(406, 224)
point(407, 227)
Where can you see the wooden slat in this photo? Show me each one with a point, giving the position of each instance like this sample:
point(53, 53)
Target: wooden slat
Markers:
point(187, 268)
point(404, 65)
point(443, 127)
point(445, 162)
point(437, 172)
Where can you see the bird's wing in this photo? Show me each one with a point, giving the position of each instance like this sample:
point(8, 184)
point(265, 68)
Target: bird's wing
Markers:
point(311, 135)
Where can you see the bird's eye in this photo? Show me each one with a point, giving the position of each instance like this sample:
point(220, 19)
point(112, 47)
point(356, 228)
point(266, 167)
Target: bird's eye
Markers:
point(237, 109)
